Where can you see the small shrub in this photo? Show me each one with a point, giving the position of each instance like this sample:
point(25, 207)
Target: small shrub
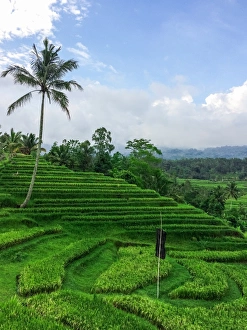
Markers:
point(7, 201)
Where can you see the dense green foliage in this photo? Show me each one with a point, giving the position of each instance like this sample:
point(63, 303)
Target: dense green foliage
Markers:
point(225, 200)
point(82, 256)
point(214, 169)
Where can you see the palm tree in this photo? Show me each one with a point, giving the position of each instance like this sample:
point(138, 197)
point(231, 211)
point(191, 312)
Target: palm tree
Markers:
point(29, 144)
point(45, 77)
point(11, 142)
point(59, 155)
point(232, 191)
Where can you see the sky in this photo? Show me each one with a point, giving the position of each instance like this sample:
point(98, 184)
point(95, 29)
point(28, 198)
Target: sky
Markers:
point(170, 71)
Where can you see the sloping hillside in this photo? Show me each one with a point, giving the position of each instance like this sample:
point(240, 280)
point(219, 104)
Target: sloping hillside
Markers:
point(86, 243)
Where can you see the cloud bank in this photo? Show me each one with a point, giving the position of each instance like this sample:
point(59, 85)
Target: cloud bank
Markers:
point(167, 116)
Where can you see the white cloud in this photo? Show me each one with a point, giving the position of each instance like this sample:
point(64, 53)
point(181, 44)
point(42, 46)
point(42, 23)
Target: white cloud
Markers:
point(22, 18)
point(86, 59)
point(112, 69)
point(233, 101)
point(159, 114)
point(82, 52)
point(188, 98)
point(79, 8)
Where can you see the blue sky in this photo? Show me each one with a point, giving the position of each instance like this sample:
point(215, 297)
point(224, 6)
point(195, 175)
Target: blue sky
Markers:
point(170, 71)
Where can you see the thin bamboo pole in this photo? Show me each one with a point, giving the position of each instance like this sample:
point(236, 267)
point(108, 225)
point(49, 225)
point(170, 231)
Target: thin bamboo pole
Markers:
point(158, 270)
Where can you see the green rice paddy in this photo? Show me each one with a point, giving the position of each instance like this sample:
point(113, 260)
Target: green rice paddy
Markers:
point(82, 256)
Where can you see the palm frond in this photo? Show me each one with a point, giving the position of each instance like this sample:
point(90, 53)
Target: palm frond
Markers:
point(64, 67)
point(49, 53)
point(42, 61)
point(27, 80)
point(21, 75)
point(61, 99)
point(20, 102)
point(65, 85)
point(76, 85)
point(13, 70)
point(67, 66)
point(48, 94)
point(60, 85)
point(35, 54)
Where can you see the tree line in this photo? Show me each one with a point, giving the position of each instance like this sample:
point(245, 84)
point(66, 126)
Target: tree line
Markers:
point(215, 169)
point(141, 165)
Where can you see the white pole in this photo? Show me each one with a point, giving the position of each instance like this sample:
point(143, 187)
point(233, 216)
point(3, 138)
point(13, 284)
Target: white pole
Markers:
point(158, 271)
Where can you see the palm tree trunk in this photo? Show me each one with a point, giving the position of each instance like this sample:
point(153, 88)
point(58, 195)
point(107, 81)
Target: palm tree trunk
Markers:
point(30, 190)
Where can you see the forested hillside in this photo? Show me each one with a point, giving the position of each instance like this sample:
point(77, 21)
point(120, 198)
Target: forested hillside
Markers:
point(217, 152)
point(207, 168)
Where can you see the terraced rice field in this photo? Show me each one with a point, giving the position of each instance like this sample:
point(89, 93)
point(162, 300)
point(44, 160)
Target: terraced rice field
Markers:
point(82, 256)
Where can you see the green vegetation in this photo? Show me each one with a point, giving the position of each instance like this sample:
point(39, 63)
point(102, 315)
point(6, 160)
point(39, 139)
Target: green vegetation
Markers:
point(166, 316)
point(83, 311)
point(82, 256)
point(47, 275)
point(210, 168)
point(135, 268)
point(209, 282)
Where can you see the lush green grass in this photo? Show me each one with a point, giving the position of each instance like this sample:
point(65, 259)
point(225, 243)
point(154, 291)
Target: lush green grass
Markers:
point(13, 315)
point(213, 184)
point(82, 274)
point(85, 237)
point(82, 311)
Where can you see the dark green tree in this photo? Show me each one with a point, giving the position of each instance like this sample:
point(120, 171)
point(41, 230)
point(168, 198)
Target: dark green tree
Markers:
point(102, 141)
point(145, 150)
point(85, 156)
point(144, 162)
point(216, 201)
point(45, 77)
point(103, 148)
point(74, 154)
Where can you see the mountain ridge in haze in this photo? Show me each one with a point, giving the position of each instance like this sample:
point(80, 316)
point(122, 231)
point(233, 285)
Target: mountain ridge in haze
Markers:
point(213, 152)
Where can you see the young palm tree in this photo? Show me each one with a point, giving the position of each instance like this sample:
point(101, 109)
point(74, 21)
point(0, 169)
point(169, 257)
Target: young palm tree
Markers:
point(29, 143)
point(12, 142)
point(232, 191)
point(45, 77)
point(59, 155)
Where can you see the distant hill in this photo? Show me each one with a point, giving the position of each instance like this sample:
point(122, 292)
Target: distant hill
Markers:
point(217, 152)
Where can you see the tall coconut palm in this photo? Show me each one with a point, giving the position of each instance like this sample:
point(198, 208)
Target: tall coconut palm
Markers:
point(45, 77)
